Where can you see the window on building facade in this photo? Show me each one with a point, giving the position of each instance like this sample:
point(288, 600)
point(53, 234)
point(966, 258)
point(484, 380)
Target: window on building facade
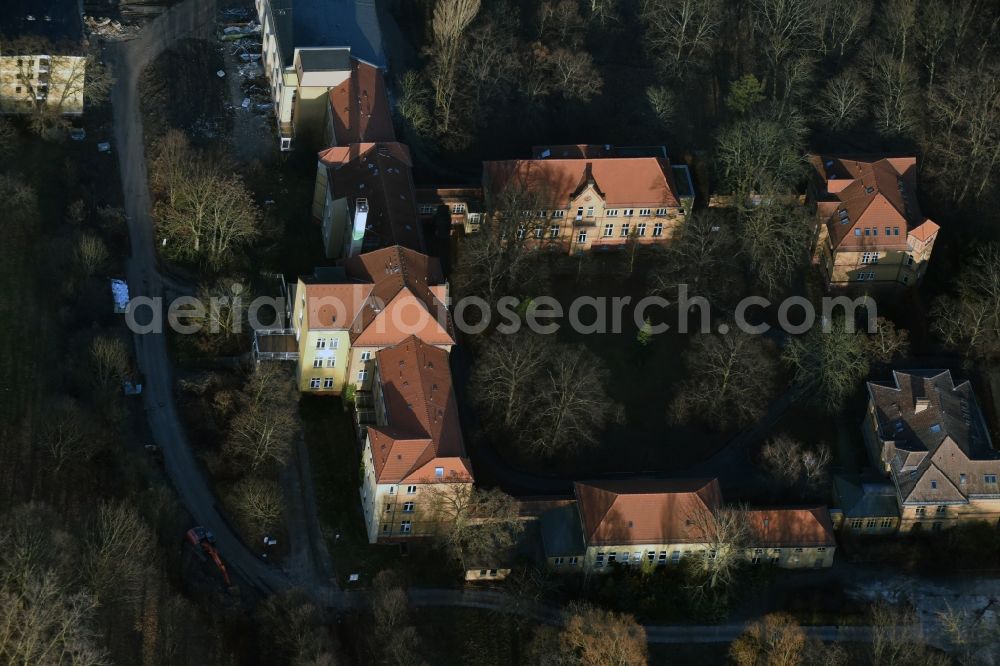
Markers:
point(658, 229)
point(611, 212)
point(362, 375)
point(408, 507)
point(331, 362)
point(554, 231)
point(320, 343)
point(541, 213)
point(869, 257)
point(574, 560)
point(643, 212)
point(651, 555)
point(637, 556)
point(857, 232)
point(557, 214)
point(559, 561)
point(581, 237)
point(870, 523)
point(411, 490)
point(427, 209)
point(757, 554)
point(921, 510)
point(458, 208)
point(660, 212)
point(608, 230)
point(599, 560)
point(328, 383)
point(521, 232)
point(675, 557)
point(366, 356)
point(895, 231)
point(888, 231)
point(405, 526)
point(627, 212)
point(625, 230)
point(314, 382)
point(886, 522)
point(856, 524)
point(641, 229)
point(611, 556)
point(941, 510)
point(662, 557)
point(317, 363)
point(579, 212)
point(590, 211)
point(538, 232)
point(990, 479)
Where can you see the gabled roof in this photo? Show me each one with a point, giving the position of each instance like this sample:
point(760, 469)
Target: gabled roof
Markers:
point(636, 181)
point(645, 511)
point(422, 441)
point(933, 437)
point(869, 194)
point(379, 173)
point(790, 527)
point(403, 300)
point(359, 107)
point(381, 298)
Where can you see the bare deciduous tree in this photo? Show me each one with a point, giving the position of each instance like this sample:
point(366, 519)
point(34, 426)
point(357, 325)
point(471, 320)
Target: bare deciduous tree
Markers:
point(887, 343)
point(472, 523)
point(205, 211)
point(258, 504)
point(265, 425)
point(680, 33)
point(776, 640)
point(506, 372)
point(970, 320)
point(592, 637)
point(91, 254)
point(730, 380)
point(843, 23)
point(118, 551)
point(450, 20)
point(413, 104)
point(68, 435)
point(783, 27)
point(776, 239)
point(700, 255)
point(828, 365)
point(843, 100)
point(787, 460)
point(759, 155)
point(897, 638)
point(109, 361)
point(572, 405)
point(895, 100)
point(725, 532)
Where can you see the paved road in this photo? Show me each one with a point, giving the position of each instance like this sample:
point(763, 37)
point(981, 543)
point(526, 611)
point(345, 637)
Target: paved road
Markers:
point(189, 19)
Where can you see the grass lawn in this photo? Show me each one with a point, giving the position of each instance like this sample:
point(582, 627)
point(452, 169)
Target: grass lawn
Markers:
point(335, 461)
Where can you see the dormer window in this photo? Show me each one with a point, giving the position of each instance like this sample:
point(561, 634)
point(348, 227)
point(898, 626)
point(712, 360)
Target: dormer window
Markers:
point(439, 472)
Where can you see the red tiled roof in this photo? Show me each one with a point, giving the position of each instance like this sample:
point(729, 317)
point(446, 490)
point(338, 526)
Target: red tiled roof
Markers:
point(636, 181)
point(381, 174)
point(423, 434)
point(790, 527)
point(402, 301)
point(645, 511)
point(870, 194)
point(360, 107)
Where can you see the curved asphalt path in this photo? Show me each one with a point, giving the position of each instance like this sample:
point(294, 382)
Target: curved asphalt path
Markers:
point(194, 18)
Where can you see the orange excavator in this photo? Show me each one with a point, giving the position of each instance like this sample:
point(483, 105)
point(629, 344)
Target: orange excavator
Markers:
point(204, 544)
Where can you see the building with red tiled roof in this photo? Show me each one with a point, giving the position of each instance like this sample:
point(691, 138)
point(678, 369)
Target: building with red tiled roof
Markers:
point(365, 199)
point(341, 317)
point(660, 522)
point(413, 450)
point(595, 196)
point(871, 229)
point(359, 108)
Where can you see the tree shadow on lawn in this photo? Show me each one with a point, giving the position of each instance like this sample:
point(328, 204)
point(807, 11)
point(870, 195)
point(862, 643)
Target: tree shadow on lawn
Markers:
point(642, 382)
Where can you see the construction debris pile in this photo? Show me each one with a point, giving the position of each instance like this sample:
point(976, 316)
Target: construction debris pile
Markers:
point(109, 29)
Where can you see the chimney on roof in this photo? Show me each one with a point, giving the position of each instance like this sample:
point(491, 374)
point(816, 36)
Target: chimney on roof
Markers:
point(588, 173)
point(920, 405)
